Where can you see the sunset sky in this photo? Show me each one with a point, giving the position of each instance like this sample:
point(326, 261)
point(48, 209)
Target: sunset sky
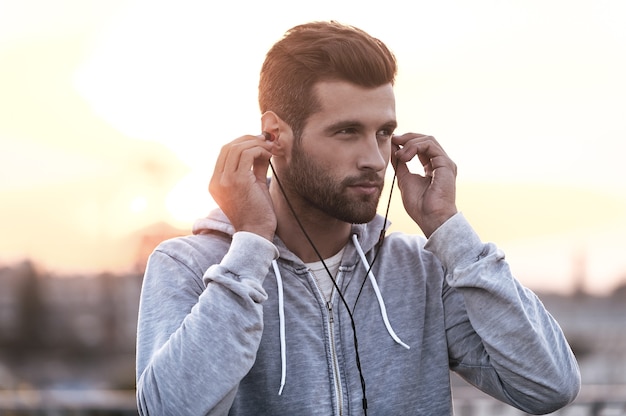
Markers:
point(112, 113)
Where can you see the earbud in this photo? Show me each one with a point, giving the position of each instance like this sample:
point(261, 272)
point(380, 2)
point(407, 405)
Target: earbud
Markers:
point(269, 136)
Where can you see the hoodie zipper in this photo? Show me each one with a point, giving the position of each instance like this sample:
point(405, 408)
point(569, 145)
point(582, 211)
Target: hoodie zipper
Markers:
point(337, 379)
point(333, 346)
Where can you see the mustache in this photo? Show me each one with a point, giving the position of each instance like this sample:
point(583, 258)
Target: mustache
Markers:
point(372, 178)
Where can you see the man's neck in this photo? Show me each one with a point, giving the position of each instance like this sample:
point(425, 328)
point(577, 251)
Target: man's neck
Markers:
point(329, 235)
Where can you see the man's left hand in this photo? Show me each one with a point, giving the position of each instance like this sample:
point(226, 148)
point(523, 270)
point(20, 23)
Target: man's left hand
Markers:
point(429, 199)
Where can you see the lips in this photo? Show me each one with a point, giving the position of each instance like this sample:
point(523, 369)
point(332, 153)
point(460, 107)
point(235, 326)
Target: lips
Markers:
point(367, 187)
point(377, 185)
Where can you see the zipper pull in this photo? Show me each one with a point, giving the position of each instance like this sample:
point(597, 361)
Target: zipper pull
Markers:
point(329, 306)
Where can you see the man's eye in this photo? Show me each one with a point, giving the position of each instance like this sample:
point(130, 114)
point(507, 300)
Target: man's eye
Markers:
point(384, 134)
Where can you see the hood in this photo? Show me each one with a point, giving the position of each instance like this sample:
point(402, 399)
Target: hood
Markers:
point(368, 234)
point(215, 221)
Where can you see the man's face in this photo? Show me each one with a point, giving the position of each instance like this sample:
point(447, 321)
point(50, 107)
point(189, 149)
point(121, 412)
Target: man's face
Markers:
point(338, 166)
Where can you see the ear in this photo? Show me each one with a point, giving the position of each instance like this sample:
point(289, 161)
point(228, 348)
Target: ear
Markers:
point(279, 131)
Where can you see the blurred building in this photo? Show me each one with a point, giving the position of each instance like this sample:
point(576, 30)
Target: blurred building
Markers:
point(78, 332)
point(69, 330)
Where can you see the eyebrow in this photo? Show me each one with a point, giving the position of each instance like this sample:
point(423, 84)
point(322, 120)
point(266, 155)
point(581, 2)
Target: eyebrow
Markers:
point(342, 124)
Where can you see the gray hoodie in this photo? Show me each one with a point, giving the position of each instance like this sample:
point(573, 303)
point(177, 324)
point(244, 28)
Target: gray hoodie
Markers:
point(233, 324)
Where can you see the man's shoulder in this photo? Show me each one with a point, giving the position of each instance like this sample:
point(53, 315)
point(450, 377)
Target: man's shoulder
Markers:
point(196, 249)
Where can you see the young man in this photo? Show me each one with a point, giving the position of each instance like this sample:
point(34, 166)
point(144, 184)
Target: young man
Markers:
point(289, 301)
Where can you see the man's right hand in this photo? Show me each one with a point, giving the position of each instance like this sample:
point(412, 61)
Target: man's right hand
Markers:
point(239, 185)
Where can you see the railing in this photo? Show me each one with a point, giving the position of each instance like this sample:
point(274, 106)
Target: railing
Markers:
point(29, 402)
point(484, 407)
point(594, 400)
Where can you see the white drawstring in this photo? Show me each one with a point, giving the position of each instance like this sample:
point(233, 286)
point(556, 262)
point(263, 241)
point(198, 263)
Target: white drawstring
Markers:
point(281, 324)
point(281, 312)
point(381, 303)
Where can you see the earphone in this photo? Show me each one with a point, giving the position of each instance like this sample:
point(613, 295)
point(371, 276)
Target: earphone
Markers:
point(269, 136)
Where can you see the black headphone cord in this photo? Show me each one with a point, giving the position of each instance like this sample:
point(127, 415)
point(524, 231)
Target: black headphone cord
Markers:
point(343, 300)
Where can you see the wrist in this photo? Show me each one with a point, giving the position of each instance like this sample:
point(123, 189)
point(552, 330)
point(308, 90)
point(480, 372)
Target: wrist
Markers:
point(261, 232)
point(436, 221)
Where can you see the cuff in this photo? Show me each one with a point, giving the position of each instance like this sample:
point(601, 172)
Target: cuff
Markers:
point(249, 253)
point(455, 243)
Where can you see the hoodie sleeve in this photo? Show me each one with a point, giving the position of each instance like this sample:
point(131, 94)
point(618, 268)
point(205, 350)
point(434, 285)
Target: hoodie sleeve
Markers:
point(184, 316)
point(500, 337)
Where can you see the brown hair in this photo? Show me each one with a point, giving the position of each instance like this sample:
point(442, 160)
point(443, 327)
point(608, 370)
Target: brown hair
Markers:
point(314, 52)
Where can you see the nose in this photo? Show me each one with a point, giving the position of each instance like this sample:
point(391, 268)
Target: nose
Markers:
point(373, 154)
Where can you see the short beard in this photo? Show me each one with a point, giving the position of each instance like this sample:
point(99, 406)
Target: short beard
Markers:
point(315, 186)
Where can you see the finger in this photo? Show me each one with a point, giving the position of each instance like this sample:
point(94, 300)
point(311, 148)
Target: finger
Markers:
point(229, 160)
point(419, 144)
point(241, 170)
point(225, 150)
point(415, 148)
point(401, 168)
point(252, 159)
point(429, 152)
point(406, 138)
point(232, 155)
point(261, 165)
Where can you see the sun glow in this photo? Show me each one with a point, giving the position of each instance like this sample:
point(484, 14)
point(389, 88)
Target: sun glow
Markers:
point(189, 200)
point(188, 94)
point(138, 204)
point(114, 113)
